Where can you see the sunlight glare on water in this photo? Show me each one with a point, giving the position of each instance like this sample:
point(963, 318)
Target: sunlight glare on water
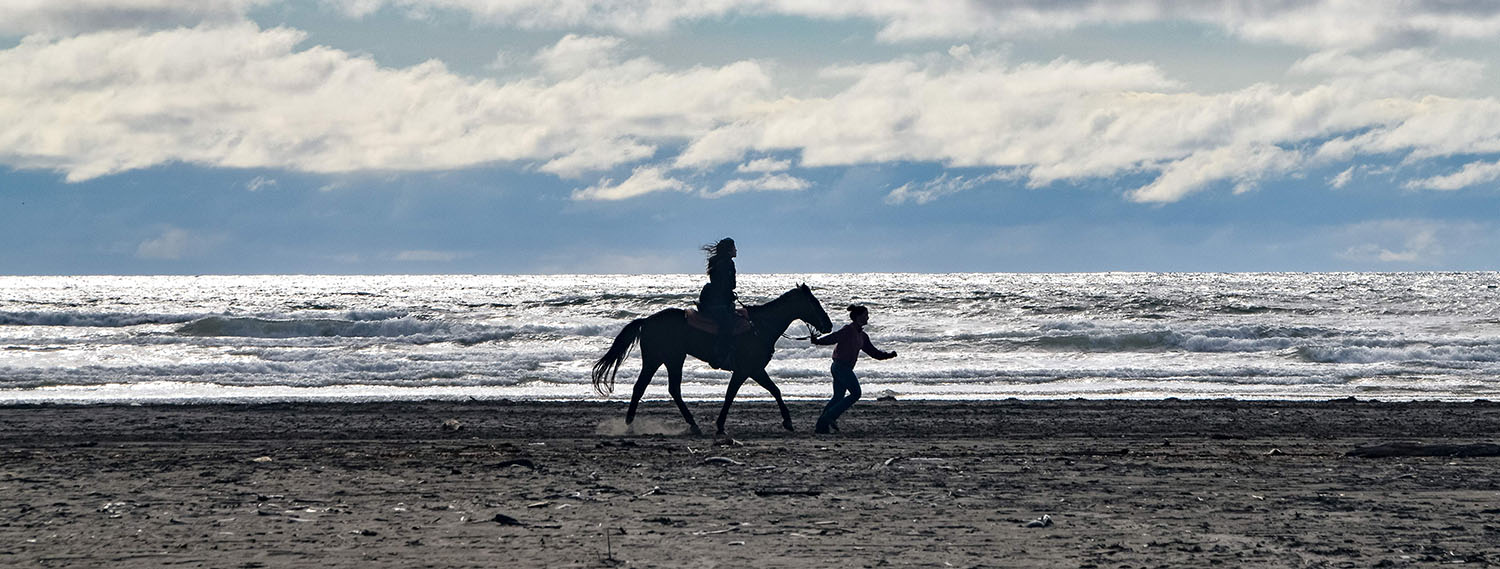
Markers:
point(961, 336)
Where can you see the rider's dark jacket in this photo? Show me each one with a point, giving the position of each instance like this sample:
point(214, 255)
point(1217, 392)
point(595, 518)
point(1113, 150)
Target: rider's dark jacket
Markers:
point(718, 296)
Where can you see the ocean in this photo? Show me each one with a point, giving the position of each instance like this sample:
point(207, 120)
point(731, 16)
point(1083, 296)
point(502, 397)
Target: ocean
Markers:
point(1389, 336)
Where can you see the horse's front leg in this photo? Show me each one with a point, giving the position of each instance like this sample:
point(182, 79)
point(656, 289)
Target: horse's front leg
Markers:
point(764, 379)
point(674, 386)
point(734, 387)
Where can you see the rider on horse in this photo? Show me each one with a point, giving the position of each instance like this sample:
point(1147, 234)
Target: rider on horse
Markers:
point(717, 300)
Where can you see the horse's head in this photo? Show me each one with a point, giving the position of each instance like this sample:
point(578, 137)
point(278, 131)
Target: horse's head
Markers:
point(814, 314)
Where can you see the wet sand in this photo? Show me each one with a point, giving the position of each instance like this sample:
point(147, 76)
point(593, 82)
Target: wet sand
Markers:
point(908, 483)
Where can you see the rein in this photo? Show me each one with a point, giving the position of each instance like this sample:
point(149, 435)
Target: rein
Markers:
point(809, 336)
point(756, 329)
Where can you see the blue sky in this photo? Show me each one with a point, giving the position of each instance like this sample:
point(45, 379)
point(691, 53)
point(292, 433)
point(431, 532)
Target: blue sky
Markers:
point(532, 136)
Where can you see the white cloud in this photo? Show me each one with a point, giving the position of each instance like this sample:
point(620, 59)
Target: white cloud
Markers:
point(1342, 179)
point(174, 244)
point(1242, 164)
point(1412, 242)
point(1313, 23)
point(67, 17)
point(1472, 174)
point(762, 165)
point(1320, 24)
point(259, 183)
point(242, 97)
point(574, 55)
point(768, 182)
point(932, 189)
point(642, 181)
point(1397, 72)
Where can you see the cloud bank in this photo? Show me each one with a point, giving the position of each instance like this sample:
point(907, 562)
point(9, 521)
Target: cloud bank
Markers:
point(107, 86)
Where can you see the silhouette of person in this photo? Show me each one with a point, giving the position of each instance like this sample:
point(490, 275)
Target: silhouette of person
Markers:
point(717, 300)
point(848, 342)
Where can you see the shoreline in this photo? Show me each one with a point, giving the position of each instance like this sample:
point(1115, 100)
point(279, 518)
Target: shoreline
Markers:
point(1177, 483)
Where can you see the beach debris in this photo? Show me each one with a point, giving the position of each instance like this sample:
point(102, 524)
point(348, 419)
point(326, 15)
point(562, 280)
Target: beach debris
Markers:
point(1043, 522)
point(716, 532)
point(261, 459)
point(526, 462)
point(781, 491)
point(886, 395)
point(727, 441)
point(1389, 450)
point(736, 543)
point(538, 505)
point(1274, 452)
point(653, 490)
point(722, 460)
point(890, 461)
point(505, 520)
point(452, 425)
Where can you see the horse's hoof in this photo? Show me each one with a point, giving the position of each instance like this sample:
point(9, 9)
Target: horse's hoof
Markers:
point(697, 432)
point(788, 426)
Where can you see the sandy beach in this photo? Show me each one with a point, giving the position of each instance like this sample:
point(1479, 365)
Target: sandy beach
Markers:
point(908, 483)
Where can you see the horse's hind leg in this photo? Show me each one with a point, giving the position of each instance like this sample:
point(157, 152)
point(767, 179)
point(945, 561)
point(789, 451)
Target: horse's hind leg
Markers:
point(734, 387)
point(764, 379)
point(648, 369)
point(674, 386)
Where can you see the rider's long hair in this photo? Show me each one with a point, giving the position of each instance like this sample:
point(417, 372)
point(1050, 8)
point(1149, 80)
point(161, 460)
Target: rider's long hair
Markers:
point(718, 252)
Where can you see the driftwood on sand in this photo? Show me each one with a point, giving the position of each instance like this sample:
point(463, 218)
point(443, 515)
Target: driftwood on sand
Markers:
point(1417, 449)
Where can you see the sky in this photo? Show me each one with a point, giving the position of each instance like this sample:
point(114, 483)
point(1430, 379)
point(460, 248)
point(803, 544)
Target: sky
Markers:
point(618, 136)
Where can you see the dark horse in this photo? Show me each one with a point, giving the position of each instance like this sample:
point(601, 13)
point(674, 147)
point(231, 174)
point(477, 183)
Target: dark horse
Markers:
point(666, 338)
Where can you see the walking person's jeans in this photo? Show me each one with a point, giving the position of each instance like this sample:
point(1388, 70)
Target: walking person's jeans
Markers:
point(845, 392)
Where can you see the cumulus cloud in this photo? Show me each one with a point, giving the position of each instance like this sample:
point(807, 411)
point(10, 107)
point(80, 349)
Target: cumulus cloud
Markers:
point(761, 165)
point(1404, 241)
point(1472, 174)
point(243, 97)
point(768, 182)
point(259, 183)
point(642, 181)
point(1342, 179)
point(174, 244)
point(930, 190)
point(67, 17)
point(1397, 72)
point(1243, 165)
point(1320, 24)
point(574, 54)
point(1317, 23)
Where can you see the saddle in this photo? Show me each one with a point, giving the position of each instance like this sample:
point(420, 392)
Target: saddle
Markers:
point(697, 320)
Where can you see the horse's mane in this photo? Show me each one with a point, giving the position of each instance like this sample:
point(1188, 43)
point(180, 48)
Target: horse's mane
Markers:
point(785, 297)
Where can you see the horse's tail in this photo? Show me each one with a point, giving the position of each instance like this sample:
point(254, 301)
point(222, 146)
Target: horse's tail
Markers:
point(607, 366)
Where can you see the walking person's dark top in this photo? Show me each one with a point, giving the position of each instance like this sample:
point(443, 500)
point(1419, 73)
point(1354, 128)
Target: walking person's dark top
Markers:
point(848, 342)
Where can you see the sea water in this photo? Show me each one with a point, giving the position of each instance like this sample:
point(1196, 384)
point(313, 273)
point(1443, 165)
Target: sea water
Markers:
point(1396, 336)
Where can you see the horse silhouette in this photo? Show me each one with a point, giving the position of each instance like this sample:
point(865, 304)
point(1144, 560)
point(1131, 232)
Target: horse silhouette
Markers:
point(667, 339)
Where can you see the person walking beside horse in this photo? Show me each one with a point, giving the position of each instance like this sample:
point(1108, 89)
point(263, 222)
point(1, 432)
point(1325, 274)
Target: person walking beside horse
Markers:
point(847, 342)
